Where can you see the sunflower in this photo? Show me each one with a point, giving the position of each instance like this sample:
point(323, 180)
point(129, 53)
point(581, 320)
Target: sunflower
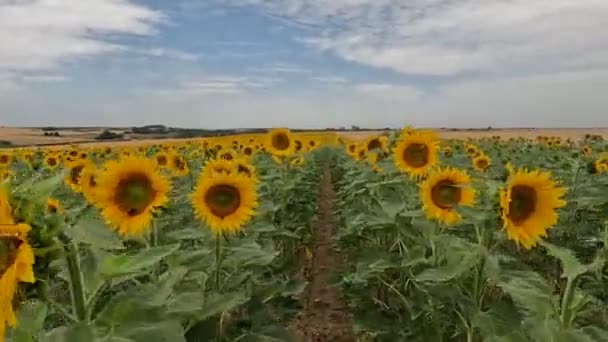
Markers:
point(528, 203)
point(587, 150)
point(129, 192)
point(297, 161)
point(298, 145)
point(280, 142)
point(224, 202)
point(51, 161)
point(243, 167)
point(351, 149)
point(443, 192)
point(214, 166)
point(447, 151)
point(76, 168)
point(471, 150)
point(16, 263)
point(226, 154)
point(248, 151)
point(376, 144)
point(416, 153)
point(178, 165)
point(313, 144)
point(5, 159)
point(53, 206)
point(162, 159)
point(5, 175)
point(481, 162)
point(88, 183)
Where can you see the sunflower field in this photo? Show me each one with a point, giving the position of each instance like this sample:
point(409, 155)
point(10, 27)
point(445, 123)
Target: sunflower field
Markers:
point(215, 239)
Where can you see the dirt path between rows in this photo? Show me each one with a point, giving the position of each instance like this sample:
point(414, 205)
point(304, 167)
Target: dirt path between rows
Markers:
point(325, 317)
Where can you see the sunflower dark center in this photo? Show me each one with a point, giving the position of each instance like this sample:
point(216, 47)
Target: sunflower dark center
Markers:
point(445, 194)
point(374, 144)
point(248, 151)
point(9, 245)
point(75, 173)
point(52, 208)
point(312, 143)
point(416, 155)
point(522, 204)
point(280, 141)
point(482, 163)
point(134, 194)
point(223, 200)
point(83, 156)
point(92, 182)
point(352, 148)
point(298, 145)
point(3, 159)
point(73, 153)
point(227, 156)
point(161, 160)
point(52, 161)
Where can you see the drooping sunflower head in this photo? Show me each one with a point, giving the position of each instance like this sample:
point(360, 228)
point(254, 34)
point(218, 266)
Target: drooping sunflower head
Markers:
point(416, 154)
point(481, 162)
point(129, 191)
point(224, 202)
point(529, 206)
point(280, 142)
point(587, 150)
point(443, 191)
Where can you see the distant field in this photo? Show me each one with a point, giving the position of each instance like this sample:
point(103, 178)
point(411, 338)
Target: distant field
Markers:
point(35, 136)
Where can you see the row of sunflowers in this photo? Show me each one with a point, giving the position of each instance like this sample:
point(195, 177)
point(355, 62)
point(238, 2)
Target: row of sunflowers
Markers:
point(117, 228)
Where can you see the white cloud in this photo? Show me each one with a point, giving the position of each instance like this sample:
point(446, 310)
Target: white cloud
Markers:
point(446, 37)
point(169, 53)
point(281, 68)
point(44, 78)
point(41, 34)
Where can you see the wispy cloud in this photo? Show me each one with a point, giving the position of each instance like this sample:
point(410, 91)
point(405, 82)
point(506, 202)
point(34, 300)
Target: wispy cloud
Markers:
point(445, 37)
point(281, 68)
point(41, 34)
point(44, 78)
point(169, 53)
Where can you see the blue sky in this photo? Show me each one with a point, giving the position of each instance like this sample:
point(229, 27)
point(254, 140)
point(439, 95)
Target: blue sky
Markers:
point(304, 63)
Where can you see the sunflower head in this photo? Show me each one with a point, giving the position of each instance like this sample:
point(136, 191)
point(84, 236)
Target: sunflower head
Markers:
point(529, 203)
point(443, 191)
point(5, 158)
point(416, 153)
point(447, 151)
point(376, 144)
point(162, 159)
point(248, 151)
point(76, 168)
point(129, 192)
point(51, 161)
point(218, 166)
point(178, 165)
point(224, 202)
point(481, 162)
point(245, 168)
point(280, 142)
point(53, 206)
point(587, 150)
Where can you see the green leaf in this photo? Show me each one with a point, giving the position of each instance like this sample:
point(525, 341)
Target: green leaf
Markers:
point(570, 264)
point(121, 265)
point(94, 232)
point(73, 333)
point(529, 291)
point(217, 303)
point(163, 331)
point(250, 253)
point(187, 234)
point(31, 316)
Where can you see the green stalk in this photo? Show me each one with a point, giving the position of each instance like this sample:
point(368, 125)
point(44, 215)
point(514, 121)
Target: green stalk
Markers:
point(76, 282)
point(566, 314)
point(218, 267)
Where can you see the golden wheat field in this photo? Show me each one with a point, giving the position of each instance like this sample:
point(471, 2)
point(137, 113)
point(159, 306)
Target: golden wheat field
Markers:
point(406, 235)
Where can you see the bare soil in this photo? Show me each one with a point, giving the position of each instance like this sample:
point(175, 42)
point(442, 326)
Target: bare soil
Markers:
point(325, 317)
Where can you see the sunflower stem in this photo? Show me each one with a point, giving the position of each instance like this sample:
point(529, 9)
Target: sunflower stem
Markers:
point(218, 268)
point(76, 281)
point(566, 314)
